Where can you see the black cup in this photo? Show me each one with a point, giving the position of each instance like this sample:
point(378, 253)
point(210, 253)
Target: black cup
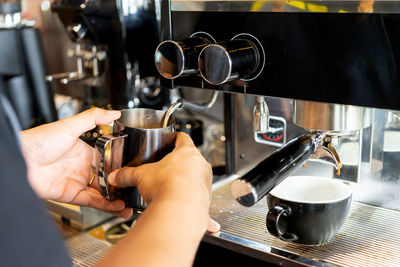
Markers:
point(307, 210)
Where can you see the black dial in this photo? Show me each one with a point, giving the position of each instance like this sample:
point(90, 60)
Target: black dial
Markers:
point(174, 59)
point(227, 61)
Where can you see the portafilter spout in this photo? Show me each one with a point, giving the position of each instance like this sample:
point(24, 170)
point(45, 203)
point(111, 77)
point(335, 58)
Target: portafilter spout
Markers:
point(260, 180)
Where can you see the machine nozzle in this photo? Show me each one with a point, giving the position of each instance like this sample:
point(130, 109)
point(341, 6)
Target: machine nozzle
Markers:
point(260, 116)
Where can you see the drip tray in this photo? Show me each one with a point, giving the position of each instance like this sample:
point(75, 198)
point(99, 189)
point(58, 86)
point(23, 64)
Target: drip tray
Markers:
point(86, 250)
point(369, 237)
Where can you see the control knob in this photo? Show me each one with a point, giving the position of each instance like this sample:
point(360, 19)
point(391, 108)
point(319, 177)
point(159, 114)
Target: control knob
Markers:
point(175, 59)
point(226, 61)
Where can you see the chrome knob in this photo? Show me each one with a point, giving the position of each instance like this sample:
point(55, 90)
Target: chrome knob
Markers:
point(174, 59)
point(77, 32)
point(227, 61)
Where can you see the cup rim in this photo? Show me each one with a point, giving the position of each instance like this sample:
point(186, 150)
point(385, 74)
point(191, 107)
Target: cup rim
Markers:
point(346, 189)
point(171, 122)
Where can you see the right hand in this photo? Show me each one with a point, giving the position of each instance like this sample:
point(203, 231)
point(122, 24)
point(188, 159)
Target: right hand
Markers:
point(183, 176)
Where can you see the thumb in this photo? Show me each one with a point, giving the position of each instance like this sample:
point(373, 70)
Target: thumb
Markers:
point(88, 120)
point(182, 139)
point(124, 177)
point(213, 226)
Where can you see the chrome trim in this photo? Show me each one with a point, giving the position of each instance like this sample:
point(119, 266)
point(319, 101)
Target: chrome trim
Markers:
point(241, 188)
point(330, 117)
point(11, 21)
point(259, 251)
point(205, 33)
point(183, 58)
point(230, 64)
point(253, 38)
point(289, 6)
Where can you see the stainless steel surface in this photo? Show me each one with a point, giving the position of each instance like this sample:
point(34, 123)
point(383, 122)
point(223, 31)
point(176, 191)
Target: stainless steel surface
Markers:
point(163, 63)
point(8, 21)
point(276, 133)
point(80, 218)
point(78, 75)
point(176, 105)
point(201, 107)
point(146, 141)
point(249, 151)
point(241, 58)
point(10, 14)
point(182, 103)
point(66, 75)
point(244, 192)
point(369, 236)
point(261, 251)
point(86, 251)
point(328, 155)
point(141, 118)
point(108, 161)
point(317, 6)
point(260, 116)
point(330, 117)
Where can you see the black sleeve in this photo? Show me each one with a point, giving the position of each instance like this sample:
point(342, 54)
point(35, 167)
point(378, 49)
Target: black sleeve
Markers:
point(27, 235)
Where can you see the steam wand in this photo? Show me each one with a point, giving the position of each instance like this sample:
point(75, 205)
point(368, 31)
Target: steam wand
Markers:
point(260, 180)
point(182, 103)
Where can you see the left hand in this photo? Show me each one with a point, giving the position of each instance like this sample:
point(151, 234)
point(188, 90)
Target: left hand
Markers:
point(59, 162)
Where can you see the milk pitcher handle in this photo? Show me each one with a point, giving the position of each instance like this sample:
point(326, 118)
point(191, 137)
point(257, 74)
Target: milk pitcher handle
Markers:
point(108, 160)
point(273, 217)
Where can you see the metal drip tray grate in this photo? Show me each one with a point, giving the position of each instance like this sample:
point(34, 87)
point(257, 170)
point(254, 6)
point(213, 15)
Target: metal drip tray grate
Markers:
point(86, 251)
point(370, 236)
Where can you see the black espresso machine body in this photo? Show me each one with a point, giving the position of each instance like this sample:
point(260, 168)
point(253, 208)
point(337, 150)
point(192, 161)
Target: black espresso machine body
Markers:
point(347, 58)
point(329, 67)
point(335, 59)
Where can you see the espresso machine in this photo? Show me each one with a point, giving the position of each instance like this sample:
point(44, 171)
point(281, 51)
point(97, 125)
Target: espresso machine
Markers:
point(109, 59)
point(23, 68)
point(310, 88)
point(321, 72)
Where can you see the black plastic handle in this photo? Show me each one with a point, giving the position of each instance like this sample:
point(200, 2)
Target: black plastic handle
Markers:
point(273, 218)
point(255, 184)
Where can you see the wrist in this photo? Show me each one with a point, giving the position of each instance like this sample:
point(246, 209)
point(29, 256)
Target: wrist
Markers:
point(193, 209)
point(198, 197)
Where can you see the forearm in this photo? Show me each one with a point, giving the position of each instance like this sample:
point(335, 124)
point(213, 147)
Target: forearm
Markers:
point(167, 234)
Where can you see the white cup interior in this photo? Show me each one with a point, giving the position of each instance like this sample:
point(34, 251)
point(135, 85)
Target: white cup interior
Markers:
point(311, 189)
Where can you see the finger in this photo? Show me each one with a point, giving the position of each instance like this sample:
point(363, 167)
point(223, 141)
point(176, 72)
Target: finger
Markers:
point(92, 198)
point(213, 226)
point(88, 120)
point(125, 213)
point(127, 176)
point(116, 207)
point(182, 139)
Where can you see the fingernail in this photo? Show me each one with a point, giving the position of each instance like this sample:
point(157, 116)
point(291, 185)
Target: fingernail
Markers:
point(111, 178)
point(217, 226)
point(119, 205)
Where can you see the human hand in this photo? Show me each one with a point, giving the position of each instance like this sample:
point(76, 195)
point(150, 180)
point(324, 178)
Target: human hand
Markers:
point(183, 176)
point(59, 162)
